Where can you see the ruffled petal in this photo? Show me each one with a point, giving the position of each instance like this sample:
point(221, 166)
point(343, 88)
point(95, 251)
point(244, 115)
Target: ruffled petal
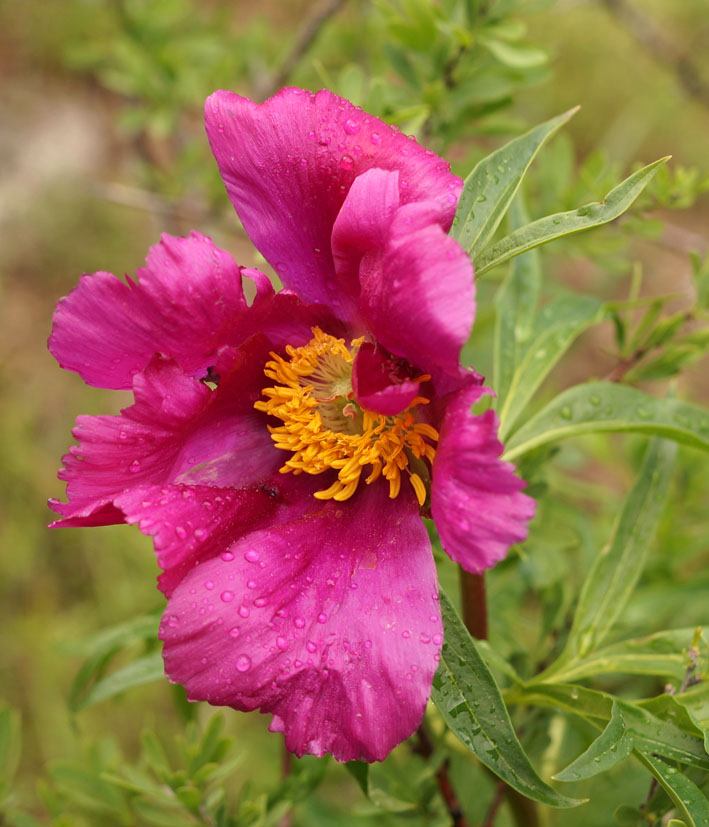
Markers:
point(188, 302)
point(476, 499)
point(178, 430)
point(288, 165)
point(418, 294)
point(329, 622)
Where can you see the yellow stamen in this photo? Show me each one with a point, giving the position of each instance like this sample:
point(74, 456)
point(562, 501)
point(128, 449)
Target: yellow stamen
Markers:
point(324, 427)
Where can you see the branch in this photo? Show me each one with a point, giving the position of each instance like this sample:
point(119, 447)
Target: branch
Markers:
point(305, 38)
point(648, 34)
point(425, 749)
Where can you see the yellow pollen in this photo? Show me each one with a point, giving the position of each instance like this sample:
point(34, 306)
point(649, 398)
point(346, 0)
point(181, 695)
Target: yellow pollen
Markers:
point(325, 428)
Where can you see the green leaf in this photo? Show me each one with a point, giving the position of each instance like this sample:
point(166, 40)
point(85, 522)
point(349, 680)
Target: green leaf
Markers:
point(490, 187)
point(515, 305)
point(467, 697)
point(589, 704)
point(618, 567)
point(550, 227)
point(660, 655)
point(686, 796)
point(555, 328)
point(144, 670)
point(606, 406)
point(613, 745)
point(376, 789)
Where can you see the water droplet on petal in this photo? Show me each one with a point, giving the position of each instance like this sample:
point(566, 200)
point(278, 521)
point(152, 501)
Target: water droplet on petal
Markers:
point(311, 647)
point(227, 596)
point(322, 617)
point(281, 643)
point(209, 585)
point(346, 162)
point(251, 555)
point(180, 531)
point(243, 663)
point(227, 556)
point(438, 639)
point(375, 138)
point(134, 467)
point(352, 127)
point(299, 622)
point(244, 611)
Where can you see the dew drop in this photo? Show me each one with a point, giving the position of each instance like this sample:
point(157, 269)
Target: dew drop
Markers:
point(406, 633)
point(227, 556)
point(243, 663)
point(299, 622)
point(351, 126)
point(322, 617)
point(251, 584)
point(375, 138)
point(180, 531)
point(227, 596)
point(346, 162)
point(281, 643)
point(367, 644)
point(251, 555)
point(209, 585)
point(311, 647)
point(260, 602)
point(565, 412)
point(234, 632)
point(437, 639)
point(244, 611)
point(134, 467)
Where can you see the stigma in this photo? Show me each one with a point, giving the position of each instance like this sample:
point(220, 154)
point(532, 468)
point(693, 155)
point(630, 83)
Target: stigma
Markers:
point(325, 428)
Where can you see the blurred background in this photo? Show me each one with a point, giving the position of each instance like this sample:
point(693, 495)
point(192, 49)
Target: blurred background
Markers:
point(102, 148)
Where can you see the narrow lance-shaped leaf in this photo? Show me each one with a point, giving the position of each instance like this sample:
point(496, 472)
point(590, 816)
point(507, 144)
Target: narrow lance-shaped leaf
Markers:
point(606, 406)
point(618, 567)
point(492, 184)
point(564, 223)
point(143, 670)
point(689, 800)
point(467, 697)
point(515, 305)
point(555, 328)
point(662, 654)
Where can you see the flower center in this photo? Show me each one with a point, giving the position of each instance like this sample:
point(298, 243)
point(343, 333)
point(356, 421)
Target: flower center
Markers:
point(324, 427)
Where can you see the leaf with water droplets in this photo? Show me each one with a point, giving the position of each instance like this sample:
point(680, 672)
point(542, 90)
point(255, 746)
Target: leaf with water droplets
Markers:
point(689, 800)
point(490, 187)
point(470, 702)
point(606, 406)
point(618, 200)
point(618, 567)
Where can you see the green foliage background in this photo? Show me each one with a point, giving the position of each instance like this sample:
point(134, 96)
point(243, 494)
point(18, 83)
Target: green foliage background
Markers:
point(103, 148)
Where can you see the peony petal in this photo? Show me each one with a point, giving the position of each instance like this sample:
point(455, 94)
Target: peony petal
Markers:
point(381, 382)
point(187, 304)
point(178, 430)
point(329, 621)
point(418, 295)
point(476, 499)
point(289, 163)
point(193, 523)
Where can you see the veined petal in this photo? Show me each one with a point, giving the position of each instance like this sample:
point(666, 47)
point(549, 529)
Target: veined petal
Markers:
point(288, 165)
point(476, 499)
point(188, 303)
point(335, 631)
point(178, 430)
point(418, 294)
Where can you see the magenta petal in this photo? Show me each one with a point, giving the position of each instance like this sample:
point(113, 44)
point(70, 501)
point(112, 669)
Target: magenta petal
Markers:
point(187, 304)
point(380, 383)
point(193, 523)
point(178, 430)
point(329, 622)
point(418, 294)
point(476, 499)
point(289, 163)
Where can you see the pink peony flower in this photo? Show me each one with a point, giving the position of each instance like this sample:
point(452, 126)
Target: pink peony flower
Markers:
point(281, 453)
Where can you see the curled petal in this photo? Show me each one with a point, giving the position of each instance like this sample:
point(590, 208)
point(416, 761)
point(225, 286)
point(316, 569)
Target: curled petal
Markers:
point(188, 303)
point(288, 165)
point(381, 382)
point(476, 499)
point(329, 622)
point(418, 295)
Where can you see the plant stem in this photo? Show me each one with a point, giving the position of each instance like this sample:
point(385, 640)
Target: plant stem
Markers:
point(474, 603)
point(425, 749)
